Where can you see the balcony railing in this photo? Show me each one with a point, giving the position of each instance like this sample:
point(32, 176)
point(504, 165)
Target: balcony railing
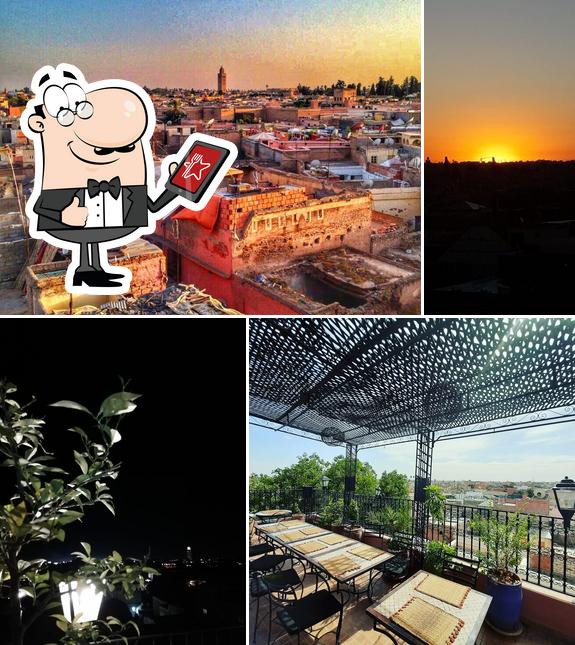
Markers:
point(548, 562)
point(217, 636)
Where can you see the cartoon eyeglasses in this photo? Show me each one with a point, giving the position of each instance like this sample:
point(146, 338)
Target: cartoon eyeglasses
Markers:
point(66, 103)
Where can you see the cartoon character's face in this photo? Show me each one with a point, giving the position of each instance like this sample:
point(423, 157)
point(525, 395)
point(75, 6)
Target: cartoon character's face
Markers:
point(94, 135)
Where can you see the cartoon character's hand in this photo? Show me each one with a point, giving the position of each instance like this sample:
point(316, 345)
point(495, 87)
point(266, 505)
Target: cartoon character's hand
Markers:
point(74, 214)
point(173, 167)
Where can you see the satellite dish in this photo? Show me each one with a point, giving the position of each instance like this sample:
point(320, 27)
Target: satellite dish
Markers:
point(316, 163)
point(368, 183)
point(377, 142)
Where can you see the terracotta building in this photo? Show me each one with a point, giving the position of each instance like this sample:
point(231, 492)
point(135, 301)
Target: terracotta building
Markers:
point(247, 231)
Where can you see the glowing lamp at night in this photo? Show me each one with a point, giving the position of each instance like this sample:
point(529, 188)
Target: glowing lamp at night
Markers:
point(80, 601)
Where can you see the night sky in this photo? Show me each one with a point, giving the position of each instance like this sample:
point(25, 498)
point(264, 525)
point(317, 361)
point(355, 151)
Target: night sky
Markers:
point(183, 449)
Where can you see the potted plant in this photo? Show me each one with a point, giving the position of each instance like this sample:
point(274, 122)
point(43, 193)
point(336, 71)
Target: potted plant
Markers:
point(353, 528)
point(332, 515)
point(296, 513)
point(435, 503)
point(390, 520)
point(505, 542)
point(435, 554)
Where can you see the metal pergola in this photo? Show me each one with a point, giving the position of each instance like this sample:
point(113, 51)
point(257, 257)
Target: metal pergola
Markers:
point(365, 382)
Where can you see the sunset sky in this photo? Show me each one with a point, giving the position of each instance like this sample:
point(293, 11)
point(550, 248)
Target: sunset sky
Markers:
point(499, 79)
point(182, 43)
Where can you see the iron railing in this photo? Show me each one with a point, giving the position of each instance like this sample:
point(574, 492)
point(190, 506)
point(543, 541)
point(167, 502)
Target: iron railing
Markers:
point(217, 636)
point(548, 562)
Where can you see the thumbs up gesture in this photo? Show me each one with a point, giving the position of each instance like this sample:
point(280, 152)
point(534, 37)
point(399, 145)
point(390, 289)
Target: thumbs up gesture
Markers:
point(74, 214)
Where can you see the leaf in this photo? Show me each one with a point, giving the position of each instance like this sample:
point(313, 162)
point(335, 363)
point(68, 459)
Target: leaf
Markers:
point(119, 403)
point(70, 516)
point(87, 547)
point(62, 625)
point(81, 461)
point(71, 405)
point(115, 436)
point(108, 505)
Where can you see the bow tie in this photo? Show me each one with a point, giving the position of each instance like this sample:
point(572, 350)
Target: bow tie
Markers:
point(113, 187)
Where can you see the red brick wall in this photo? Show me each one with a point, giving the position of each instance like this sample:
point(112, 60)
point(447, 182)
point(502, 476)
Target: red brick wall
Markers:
point(233, 292)
point(277, 238)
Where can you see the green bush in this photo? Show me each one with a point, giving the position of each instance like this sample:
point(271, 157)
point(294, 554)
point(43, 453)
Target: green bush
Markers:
point(332, 513)
point(505, 541)
point(435, 555)
point(392, 520)
point(353, 512)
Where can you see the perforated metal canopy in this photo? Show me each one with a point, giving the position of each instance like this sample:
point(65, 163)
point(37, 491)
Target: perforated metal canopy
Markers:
point(366, 381)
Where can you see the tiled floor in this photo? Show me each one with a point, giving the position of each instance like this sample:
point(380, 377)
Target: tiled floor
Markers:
point(357, 629)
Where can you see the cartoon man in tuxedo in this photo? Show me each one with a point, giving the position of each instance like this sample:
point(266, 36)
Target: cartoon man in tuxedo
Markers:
point(94, 172)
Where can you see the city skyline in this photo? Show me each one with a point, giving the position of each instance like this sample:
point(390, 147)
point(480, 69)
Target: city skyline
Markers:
point(496, 80)
point(275, 44)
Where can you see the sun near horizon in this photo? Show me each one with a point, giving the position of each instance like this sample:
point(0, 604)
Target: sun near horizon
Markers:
point(498, 80)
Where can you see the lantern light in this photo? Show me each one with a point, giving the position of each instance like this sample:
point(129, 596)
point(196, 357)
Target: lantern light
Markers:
point(564, 493)
point(80, 600)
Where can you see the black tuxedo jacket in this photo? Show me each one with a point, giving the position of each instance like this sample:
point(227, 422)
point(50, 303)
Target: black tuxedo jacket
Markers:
point(136, 204)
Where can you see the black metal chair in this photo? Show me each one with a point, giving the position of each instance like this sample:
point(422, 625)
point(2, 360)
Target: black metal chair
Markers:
point(260, 549)
point(278, 586)
point(461, 570)
point(398, 568)
point(267, 563)
point(306, 612)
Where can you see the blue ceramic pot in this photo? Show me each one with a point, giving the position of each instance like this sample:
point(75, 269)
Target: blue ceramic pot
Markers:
point(505, 610)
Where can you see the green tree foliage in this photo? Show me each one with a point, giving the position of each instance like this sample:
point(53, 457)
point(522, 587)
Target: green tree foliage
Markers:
point(261, 482)
point(46, 498)
point(307, 471)
point(435, 501)
point(505, 540)
point(393, 484)
point(365, 481)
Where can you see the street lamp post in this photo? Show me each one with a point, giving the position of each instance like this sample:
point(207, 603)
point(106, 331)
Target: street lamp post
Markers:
point(325, 482)
point(564, 493)
point(80, 600)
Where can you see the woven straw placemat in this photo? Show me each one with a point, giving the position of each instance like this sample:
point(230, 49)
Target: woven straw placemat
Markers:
point(333, 538)
point(280, 526)
point(273, 512)
point(310, 547)
point(431, 624)
point(292, 536)
point(445, 590)
point(312, 530)
point(339, 565)
point(366, 552)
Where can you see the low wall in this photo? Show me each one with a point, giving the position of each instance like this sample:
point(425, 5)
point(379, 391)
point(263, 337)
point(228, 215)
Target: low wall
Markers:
point(401, 202)
point(551, 610)
point(47, 293)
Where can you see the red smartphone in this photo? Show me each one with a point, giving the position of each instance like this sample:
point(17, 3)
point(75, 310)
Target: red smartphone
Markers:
point(197, 169)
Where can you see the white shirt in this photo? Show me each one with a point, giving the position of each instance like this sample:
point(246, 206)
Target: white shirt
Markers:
point(104, 210)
